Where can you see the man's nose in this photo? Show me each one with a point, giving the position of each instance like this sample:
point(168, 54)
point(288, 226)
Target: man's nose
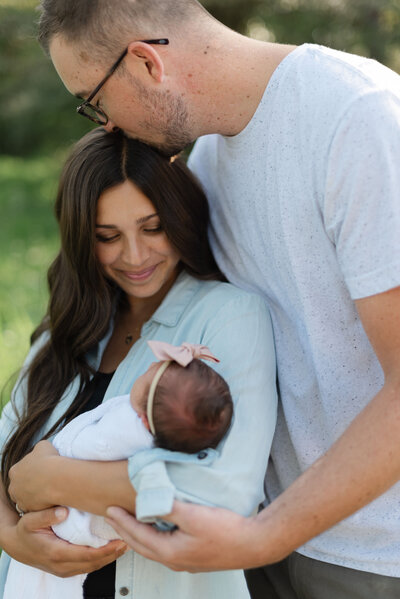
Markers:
point(110, 126)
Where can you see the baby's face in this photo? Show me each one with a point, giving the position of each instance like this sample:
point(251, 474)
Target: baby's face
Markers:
point(140, 389)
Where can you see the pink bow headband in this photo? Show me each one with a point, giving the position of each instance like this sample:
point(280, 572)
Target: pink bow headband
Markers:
point(183, 355)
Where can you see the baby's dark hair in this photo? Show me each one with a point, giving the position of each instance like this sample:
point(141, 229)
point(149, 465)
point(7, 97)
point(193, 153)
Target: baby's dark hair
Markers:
point(192, 408)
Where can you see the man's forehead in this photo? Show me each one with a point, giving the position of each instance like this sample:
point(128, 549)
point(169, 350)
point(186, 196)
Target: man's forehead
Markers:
point(73, 67)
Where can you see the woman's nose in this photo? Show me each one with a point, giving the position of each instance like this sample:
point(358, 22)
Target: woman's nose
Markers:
point(135, 252)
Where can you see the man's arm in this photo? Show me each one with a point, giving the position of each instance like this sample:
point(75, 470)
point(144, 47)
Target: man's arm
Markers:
point(361, 465)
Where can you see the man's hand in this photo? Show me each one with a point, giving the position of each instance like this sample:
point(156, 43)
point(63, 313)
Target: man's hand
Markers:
point(32, 541)
point(207, 538)
point(26, 478)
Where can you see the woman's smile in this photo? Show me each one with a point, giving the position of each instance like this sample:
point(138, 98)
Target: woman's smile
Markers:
point(140, 275)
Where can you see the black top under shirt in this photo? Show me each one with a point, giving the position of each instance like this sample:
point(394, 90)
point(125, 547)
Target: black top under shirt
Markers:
point(101, 583)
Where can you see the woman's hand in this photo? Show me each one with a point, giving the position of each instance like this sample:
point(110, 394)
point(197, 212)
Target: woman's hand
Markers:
point(28, 479)
point(31, 541)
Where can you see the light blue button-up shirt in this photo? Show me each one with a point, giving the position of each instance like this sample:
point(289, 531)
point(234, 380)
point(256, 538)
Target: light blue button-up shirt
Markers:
point(236, 326)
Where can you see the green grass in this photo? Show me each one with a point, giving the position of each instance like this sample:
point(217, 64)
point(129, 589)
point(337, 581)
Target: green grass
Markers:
point(28, 242)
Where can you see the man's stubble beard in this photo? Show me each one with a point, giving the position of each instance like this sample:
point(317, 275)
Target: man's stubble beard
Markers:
point(167, 116)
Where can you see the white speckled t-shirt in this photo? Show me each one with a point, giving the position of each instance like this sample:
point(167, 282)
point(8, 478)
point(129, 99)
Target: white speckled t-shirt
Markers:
point(305, 209)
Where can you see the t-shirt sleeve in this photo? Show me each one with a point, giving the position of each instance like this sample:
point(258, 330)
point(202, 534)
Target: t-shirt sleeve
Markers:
point(362, 196)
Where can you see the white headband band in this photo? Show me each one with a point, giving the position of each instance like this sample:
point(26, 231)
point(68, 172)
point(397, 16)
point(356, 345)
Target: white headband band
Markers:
point(152, 390)
point(182, 355)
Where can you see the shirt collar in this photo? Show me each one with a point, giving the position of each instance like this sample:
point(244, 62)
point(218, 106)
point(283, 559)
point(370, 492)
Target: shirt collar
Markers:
point(168, 313)
point(176, 300)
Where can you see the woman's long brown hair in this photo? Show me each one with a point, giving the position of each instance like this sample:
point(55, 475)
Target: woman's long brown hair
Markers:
point(81, 298)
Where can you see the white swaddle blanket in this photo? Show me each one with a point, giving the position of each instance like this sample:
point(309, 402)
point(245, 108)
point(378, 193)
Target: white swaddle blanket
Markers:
point(112, 431)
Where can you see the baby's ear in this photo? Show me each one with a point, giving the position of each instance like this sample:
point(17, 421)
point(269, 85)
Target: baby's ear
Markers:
point(143, 418)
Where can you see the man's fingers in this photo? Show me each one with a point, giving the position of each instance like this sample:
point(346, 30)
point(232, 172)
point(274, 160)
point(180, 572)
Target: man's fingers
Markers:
point(138, 533)
point(200, 542)
point(182, 515)
point(148, 541)
point(120, 520)
point(118, 514)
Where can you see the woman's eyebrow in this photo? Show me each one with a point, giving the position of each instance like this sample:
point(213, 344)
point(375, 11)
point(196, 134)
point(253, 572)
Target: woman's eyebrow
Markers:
point(139, 221)
point(144, 219)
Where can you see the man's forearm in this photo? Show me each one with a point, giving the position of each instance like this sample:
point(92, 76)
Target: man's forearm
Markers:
point(359, 467)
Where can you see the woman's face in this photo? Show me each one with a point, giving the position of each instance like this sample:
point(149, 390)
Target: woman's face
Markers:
point(130, 244)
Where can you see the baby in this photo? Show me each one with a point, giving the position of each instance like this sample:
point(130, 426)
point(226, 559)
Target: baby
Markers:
point(179, 404)
point(184, 403)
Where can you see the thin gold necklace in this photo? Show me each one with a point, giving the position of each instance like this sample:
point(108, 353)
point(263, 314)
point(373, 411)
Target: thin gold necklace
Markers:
point(131, 333)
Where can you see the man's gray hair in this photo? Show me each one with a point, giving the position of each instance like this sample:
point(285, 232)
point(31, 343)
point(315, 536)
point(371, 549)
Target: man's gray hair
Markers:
point(102, 26)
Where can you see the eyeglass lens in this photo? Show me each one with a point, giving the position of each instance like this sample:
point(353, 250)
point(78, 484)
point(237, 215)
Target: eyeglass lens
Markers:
point(94, 114)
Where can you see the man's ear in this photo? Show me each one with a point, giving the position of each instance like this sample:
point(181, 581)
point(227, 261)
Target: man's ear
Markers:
point(150, 58)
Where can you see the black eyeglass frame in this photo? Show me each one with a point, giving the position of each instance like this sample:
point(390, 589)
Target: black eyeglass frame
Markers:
point(103, 118)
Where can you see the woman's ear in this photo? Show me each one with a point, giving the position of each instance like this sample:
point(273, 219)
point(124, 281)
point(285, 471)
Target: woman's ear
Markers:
point(150, 58)
point(143, 418)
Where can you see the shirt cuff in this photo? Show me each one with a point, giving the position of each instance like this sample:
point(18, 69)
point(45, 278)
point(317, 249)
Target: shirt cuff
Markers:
point(155, 492)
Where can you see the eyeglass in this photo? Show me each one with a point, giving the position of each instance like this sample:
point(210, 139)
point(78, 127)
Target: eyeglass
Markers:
point(95, 113)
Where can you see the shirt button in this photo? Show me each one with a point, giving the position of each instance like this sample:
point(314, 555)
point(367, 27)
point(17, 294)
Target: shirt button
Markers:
point(201, 455)
point(124, 591)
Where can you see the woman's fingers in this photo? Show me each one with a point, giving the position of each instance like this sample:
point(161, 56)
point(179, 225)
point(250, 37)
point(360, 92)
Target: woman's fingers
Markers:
point(41, 548)
point(78, 559)
point(34, 521)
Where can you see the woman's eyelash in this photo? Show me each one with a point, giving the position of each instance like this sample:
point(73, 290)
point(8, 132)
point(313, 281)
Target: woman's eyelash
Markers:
point(153, 229)
point(105, 239)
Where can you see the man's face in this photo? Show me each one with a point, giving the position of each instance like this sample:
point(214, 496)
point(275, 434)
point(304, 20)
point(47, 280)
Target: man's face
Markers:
point(158, 117)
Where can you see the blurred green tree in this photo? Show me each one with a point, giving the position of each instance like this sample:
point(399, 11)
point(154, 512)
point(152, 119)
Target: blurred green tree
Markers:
point(367, 27)
point(36, 115)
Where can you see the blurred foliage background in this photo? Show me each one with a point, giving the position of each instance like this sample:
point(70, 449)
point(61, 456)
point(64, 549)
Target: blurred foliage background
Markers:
point(38, 124)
